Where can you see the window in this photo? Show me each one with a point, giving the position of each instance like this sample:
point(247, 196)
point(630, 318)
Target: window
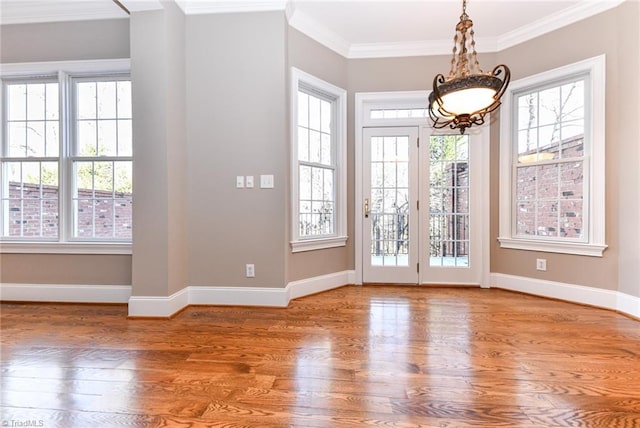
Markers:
point(552, 161)
point(102, 162)
point(66, 160)
point(318, 163)
point(30, 161)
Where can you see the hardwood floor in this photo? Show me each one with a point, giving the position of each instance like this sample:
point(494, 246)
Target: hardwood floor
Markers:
point(356, 356)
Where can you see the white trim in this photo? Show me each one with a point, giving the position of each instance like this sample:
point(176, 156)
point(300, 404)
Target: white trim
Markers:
point(323, 35)
point(297, 77)
point(594, 161)
point(8, 247)
point(607, 299)
point(360, 99)
point(65, 293)
point(166, 306)
point(65, 72)
point(485, 210)
point(364, 102)
point(27, 12)
point(154, 306)
point(239, 296)
point(628, 304)
point(158, 306)
point(564, 18)
point(402, 49)
point(318, 244)
point(122, 65)
point(318, 284)
point(317, 31)
point(578, 248)
point(142, 5)
point(192, 7)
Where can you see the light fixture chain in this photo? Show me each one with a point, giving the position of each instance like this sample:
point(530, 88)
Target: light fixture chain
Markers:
point(452, 72)
point(474, 54)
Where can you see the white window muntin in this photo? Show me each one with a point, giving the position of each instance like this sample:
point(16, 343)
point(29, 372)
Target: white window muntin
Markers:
point(7, 157)
point(61, 72)
point(594, 161)
point(584, 77)
point(75, 157)
point(301, 81)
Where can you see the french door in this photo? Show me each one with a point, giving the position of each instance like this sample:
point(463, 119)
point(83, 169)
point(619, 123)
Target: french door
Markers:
point(390, 185)
point(422, 206)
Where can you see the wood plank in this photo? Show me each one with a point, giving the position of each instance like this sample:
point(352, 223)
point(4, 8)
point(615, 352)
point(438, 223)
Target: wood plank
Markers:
point(373, 356)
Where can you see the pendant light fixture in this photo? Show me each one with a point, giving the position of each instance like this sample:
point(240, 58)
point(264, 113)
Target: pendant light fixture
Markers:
point(462, 99)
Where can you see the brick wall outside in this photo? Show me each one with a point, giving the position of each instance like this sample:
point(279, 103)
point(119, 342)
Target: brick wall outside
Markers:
point(559, 203)
point(457, 177)
point(34, 211)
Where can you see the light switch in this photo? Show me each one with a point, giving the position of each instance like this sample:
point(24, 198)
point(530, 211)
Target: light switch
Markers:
point(240, 182)
point(249, 181)
point(266, 181)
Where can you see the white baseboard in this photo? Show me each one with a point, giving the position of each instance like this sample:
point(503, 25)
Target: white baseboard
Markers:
point(238, 296)
point(151, 306)
point(629, 305)
point(164, 307)
point(318, 284)
point(158, 306)
point(71, 293)
point(607, 299)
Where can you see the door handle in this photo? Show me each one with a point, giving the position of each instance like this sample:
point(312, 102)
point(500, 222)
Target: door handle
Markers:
point(366, 208)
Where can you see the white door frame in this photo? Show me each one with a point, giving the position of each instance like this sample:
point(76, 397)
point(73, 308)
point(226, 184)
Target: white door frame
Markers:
point(364, 103)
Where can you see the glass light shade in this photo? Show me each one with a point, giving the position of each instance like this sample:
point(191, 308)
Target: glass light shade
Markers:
point(461, 102)
point(467, 100)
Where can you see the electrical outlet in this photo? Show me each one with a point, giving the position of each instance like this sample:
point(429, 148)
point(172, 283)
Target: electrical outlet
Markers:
point(250, 270)
point(541, 264)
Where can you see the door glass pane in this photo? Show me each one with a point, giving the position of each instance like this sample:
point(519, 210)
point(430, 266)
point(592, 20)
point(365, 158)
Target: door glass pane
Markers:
point(389, 205)
point(449, 201)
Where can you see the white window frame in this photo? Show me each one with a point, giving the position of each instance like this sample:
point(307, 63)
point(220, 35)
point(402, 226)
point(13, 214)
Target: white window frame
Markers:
point(64, 71)
point(339, 101)
point(594, 161)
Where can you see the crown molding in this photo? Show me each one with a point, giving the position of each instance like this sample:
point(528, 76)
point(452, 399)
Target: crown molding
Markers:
point(16, 12)
point(323, 35)
point(417, 48)
point(320, 33)
point(195, 7)
point(554, 22)
point(26, 12)
point(142, 5)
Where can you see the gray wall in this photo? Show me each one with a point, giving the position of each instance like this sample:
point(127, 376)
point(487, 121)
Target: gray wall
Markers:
point(160, 253)
point(618, 38)
point(236, 125)
point(83, 269)
point(224, 113)
point(310, 56)
point(65, 41)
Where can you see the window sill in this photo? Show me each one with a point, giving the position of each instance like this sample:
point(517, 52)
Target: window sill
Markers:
point(12, 247)
point(580, 249)
point(318, 244)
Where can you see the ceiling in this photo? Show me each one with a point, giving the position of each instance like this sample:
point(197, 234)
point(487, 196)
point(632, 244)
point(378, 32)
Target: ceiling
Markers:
point(356, 28)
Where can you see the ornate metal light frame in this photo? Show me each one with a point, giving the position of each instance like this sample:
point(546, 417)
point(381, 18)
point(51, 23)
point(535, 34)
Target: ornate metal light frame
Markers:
point(468, 94)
